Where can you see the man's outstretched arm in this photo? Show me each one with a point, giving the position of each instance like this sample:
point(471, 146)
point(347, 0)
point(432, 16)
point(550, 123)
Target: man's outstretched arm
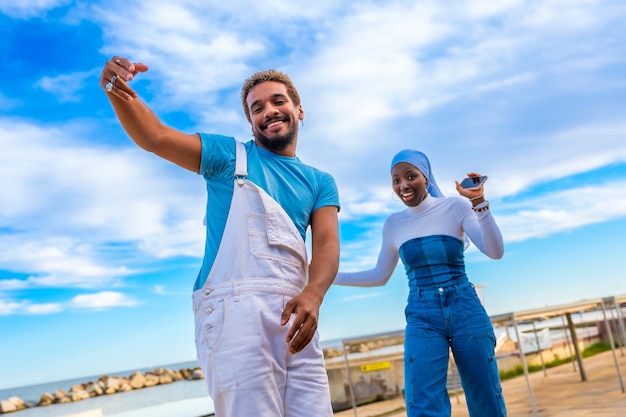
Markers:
point(140, 122)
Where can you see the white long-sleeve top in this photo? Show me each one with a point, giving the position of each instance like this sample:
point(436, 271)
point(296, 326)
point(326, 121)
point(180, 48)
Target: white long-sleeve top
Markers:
point(452, 216)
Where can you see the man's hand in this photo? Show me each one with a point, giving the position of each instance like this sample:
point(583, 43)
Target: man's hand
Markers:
point(116, 75)
point(306, 307)
point(322, 272)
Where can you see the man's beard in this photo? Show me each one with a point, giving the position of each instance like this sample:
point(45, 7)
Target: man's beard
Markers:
point(278, 143)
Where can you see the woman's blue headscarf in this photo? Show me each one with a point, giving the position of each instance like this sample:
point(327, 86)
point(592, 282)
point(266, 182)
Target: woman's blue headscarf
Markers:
point(420, 161)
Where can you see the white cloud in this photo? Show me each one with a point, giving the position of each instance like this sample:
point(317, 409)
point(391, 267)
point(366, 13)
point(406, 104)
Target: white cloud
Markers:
point(64, 202)
point(561, 211)
point(159, 289)
point(10, 307)
point(44, 308)
point(93, 301)
point(481, 9)
point(163, 290)
point(358, 297)
point(104, 299)
point(66, 87)
point(23, 9)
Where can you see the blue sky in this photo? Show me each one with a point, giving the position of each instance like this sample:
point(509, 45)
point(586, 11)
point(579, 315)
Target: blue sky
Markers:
point(100, 242)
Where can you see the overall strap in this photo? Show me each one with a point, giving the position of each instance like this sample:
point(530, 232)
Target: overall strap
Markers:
point(241, 163)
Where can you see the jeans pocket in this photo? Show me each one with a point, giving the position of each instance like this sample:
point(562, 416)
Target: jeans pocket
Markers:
point(418, 321)
point(473, 314)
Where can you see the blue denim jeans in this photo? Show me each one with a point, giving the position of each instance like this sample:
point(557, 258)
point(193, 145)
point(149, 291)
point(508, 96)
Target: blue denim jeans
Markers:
point(440, 319)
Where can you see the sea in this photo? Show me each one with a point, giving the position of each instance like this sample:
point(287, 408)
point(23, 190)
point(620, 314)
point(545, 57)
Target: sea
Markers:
point(178, 399)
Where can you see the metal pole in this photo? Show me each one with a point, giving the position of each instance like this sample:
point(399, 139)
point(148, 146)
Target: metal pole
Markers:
point(618, 325)
point(569, 347)
point(525, 366)
point(345, 358)
point(608, 326)
point(620, 317)
point(579, 358)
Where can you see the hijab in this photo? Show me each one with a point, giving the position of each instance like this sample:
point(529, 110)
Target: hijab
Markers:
point(420, 161)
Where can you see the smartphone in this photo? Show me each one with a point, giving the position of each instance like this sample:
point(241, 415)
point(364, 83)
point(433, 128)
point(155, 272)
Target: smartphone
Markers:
point(472, 183)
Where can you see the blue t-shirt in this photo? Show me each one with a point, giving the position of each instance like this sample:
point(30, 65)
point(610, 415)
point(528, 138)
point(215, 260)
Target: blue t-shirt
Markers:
point(299, 189)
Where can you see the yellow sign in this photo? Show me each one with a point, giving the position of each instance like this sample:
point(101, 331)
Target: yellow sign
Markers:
point(375, 366)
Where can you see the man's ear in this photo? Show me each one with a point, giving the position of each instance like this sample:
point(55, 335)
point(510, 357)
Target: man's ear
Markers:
point(300, 112)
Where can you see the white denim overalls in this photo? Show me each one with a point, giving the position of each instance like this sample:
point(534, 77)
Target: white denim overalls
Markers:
point(261, 264)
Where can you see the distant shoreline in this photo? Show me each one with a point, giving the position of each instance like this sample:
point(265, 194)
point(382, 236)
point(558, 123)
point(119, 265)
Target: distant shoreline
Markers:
point(77, 390)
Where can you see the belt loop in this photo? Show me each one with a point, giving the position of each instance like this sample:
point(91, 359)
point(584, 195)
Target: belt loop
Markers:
point(236, 291)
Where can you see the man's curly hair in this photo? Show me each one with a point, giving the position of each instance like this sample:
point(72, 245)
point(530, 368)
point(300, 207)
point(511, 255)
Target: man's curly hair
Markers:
point(268, 75)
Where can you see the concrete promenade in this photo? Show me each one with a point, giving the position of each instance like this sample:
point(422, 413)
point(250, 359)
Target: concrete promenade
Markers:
point(561, 393)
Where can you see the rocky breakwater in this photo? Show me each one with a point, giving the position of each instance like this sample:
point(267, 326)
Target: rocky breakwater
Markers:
point(105, 385)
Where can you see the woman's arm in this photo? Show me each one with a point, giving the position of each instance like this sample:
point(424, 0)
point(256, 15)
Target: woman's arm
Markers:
point(482, 230)
point(380, 274)
point(477, 221)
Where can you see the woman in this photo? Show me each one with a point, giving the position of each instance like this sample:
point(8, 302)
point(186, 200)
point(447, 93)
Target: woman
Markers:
point(443, 310)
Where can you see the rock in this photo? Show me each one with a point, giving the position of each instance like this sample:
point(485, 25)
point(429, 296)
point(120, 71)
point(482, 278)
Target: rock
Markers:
point(165, 379)
point(137, 380)
point(7, 406)
point(166, 376)
point(19, 402)
point(158, 371)
point(151, 380)
point(46, 399)
point(111, 385)
point(12, 404)
point(75, 388)
point(105, 385)
point(125, 387)
point(94, 389)
point(79, 395)
point(197, 374)
point(59, 395)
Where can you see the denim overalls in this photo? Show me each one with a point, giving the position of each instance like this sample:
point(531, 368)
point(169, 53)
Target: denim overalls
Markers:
point(261, 264)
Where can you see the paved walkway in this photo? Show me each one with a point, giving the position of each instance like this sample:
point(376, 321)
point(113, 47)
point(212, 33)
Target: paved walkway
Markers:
point(560, 393)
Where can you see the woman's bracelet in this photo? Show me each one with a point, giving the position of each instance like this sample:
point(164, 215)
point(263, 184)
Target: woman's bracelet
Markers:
point(481, 207)
point(477, 197)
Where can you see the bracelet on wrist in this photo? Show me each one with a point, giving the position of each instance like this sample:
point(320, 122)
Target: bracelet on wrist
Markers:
point(477, 197)
point(481, 207)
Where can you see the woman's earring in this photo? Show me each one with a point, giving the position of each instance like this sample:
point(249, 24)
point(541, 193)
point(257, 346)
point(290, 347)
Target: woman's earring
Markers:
point(393, 194)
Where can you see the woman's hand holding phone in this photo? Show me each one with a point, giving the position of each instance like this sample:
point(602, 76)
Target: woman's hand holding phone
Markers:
point(472, 186)
point(473, 182)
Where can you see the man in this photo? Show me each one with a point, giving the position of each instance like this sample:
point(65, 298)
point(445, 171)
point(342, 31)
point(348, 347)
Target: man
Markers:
point(256, 298)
